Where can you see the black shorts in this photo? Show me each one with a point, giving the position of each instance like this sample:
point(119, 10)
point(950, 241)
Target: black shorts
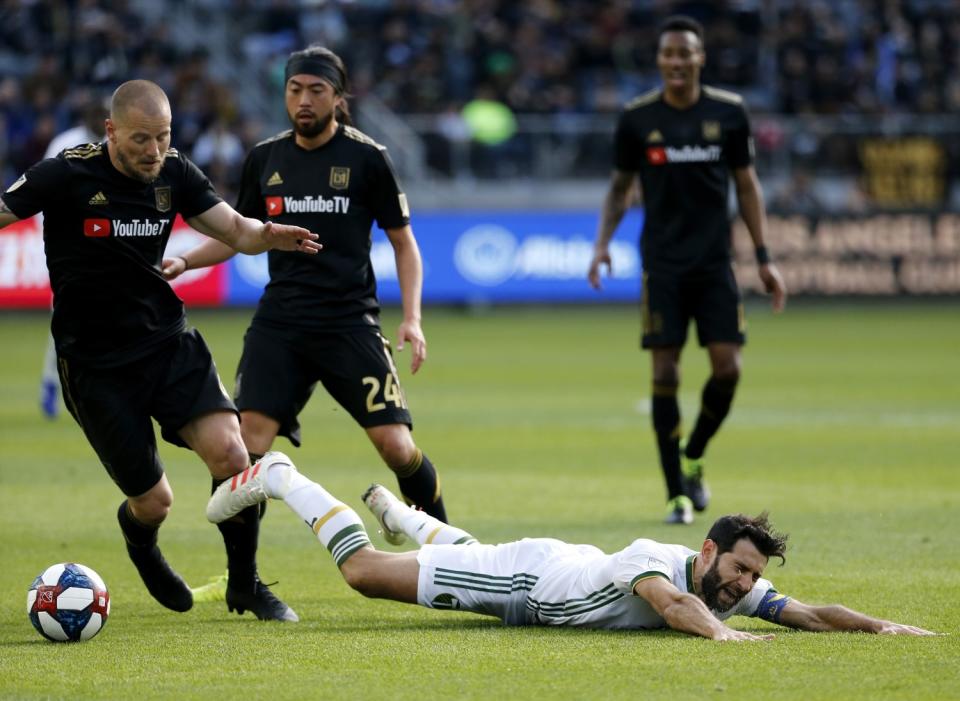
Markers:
point(279, 369)
point(113, 406)
point(712, 299)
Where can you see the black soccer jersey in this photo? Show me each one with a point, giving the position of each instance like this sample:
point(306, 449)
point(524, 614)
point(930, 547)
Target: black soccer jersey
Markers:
point(684, 159)
point(337, 190)
point(104, 234)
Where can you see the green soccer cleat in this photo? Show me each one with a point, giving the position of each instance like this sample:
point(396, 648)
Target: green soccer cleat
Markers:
point(679, 511)
point(694, 485)
point(214, 590)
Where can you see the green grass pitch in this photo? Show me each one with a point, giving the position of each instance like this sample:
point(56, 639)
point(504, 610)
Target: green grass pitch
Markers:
point(846, 426)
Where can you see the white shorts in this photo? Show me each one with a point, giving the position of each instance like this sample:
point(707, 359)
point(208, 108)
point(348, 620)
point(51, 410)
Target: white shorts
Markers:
point(490, 579)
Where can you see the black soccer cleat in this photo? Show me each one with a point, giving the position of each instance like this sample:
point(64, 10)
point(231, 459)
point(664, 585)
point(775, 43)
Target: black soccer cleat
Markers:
point(261, 602)
point(165, 585)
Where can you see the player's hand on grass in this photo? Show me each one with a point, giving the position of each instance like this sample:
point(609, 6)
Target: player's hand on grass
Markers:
point(891, 628)
point(773, 283)
point(601, 258)
point(285, 237)
point(172, 268)
point(739, 636)
point(409, 330)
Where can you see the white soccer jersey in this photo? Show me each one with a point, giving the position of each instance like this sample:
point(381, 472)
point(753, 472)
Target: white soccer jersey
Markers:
point(541, 581)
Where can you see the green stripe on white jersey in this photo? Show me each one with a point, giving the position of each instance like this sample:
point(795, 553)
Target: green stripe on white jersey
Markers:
point(478, 581)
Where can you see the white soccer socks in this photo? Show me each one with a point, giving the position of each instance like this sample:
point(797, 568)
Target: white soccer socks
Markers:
point(335, 524)
point(423, 527)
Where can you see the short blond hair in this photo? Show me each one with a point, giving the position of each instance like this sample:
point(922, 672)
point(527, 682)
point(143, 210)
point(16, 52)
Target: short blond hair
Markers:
point(144, 95)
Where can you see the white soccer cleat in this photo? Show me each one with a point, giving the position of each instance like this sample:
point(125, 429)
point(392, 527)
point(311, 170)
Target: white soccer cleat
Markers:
point(379, 500)
point(249, 487)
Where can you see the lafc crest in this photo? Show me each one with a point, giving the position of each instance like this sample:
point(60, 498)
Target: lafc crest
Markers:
point(711, 131)
point(162, 195)
point(339, 177)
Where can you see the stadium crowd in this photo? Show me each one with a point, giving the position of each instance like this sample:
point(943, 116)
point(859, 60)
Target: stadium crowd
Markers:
point(435, 56)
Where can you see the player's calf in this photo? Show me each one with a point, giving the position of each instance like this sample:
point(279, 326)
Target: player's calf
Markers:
point(382, 575)
point(420, 485)
point(163, 583)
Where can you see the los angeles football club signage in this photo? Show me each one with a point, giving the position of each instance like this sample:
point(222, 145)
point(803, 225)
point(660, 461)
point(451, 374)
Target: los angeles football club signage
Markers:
point(542, 256)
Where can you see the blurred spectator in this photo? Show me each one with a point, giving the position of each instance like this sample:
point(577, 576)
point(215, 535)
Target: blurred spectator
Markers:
point(92, 110)
point(543, 57)
point(198, 99)
point(797, 195)
point(52, 54)
point(493, 127)
point(448, 150)
point(219, 152)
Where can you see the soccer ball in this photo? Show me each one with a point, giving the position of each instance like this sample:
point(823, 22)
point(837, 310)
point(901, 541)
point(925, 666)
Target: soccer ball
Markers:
point(68, 602)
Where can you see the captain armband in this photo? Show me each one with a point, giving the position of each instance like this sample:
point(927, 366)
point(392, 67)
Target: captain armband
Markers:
point(772, 605)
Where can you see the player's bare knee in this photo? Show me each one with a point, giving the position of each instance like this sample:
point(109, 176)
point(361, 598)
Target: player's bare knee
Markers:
point(358, 574)
point(152, 508)
point(160, 514)
point(396, 447)
point(666, 374)
point(258, 431)
point(727, 373)
point(237, 456)
point(230, 458)
point(361, 584)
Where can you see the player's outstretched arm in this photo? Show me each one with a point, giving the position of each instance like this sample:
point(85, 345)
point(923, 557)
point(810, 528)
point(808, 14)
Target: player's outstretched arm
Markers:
point(840, 618)
point(203, 255)
point(687, 613)
point(410, 276)
point(622, 184)
point(252, 236)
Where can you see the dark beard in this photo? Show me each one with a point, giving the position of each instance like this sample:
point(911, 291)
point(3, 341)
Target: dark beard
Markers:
point(132, 172)
point(314, 129)
point(710, 585)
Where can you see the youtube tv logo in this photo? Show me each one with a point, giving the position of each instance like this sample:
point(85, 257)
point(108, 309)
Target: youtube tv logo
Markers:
point(274, 206)
point(656, 155)
point(96, 228)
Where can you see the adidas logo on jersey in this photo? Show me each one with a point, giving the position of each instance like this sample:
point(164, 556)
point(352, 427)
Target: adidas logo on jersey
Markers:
point(275, 179)
point(99, 198)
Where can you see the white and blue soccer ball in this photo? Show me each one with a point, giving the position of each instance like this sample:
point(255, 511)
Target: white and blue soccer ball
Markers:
point(68, 602)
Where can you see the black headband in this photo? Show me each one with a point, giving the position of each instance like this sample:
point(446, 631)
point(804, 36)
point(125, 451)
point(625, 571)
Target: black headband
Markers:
point(319, 66)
